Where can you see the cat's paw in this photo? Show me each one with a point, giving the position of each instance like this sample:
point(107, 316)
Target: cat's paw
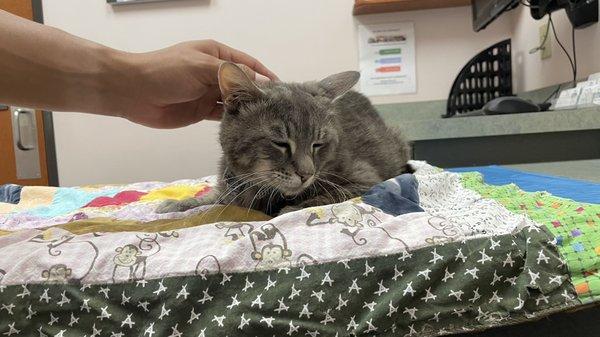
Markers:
point(289, 209)
point(168, 206)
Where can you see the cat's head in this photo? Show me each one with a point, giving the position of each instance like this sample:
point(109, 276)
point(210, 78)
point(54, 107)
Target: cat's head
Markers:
point(280, 135)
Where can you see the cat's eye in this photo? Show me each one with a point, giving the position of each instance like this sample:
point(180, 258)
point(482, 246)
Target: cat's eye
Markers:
point(282, 145)
point(317, 145)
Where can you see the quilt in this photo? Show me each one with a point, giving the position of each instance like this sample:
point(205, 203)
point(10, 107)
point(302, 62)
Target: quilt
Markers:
point(431, 254)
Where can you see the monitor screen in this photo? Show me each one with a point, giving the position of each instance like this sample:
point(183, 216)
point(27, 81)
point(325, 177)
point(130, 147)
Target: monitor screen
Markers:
point(485, 11)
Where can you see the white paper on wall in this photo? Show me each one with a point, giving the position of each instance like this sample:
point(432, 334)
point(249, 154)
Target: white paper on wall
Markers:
point(387, 58)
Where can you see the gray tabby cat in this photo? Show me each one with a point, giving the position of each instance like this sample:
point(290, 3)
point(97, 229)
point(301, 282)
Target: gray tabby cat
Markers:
point(288, 146)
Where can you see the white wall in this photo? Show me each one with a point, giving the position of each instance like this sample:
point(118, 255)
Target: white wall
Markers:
point(299, 40)
point(530, 72)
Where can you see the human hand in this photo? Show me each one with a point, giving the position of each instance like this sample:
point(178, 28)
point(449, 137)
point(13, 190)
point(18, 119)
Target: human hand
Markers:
point(178, 85)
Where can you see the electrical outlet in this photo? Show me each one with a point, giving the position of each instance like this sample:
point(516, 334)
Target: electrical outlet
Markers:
point(546, 47)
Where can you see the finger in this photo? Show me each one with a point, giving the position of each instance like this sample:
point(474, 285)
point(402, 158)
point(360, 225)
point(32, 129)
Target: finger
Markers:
point(251, 73)
point(261, 78)
point(230, 54)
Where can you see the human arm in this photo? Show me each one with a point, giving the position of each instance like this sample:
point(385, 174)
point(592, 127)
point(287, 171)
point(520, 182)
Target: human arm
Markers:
point(46, 68)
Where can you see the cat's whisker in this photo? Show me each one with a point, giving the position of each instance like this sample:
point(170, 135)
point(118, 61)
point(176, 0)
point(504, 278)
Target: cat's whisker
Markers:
point(346, 191)
point(229, 189)
point(341, 190)
point(325, 189)
point(351, 183)
point(255, 195)
point(313, 190)
point(255, 177)
point(275, 189)
point(329, 173)
point(248, 182)
point(241, 194)
point(339, 193)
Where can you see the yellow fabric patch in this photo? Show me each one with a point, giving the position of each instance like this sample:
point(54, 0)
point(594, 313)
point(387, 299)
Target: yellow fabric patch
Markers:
point(6, 208)
point(31, 196)
point(177, 192)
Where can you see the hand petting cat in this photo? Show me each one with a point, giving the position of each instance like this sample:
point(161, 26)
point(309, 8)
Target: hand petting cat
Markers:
point(178, 86)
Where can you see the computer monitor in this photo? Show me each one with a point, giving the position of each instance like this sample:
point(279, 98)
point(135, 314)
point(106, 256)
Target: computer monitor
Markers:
point(486, 11)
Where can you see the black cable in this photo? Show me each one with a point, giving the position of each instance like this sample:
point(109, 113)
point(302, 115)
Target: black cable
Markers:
point(528, 4)
point(554, 93)
point(574, 54)
point(564, 49)
point(572, 61)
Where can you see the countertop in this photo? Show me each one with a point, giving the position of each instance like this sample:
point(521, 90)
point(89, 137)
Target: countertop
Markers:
point(423, 121)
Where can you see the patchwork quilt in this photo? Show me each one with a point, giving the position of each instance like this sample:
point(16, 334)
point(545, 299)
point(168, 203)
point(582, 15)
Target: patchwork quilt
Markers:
point(463, 255)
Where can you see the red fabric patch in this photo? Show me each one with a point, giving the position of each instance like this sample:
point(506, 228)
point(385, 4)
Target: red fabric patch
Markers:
point(202, 191)
point(121, 198)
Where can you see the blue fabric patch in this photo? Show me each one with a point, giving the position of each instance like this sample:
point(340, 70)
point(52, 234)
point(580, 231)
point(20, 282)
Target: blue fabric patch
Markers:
point(396, 196)
point(68, 200)
point(559, 240)
point(10, 193)
point(578, 247)
point(573, 189)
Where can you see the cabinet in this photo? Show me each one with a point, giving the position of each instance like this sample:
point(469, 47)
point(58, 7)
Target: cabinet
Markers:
point(385, 6)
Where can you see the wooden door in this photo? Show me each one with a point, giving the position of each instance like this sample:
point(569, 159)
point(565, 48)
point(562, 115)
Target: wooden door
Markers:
point(8, 165)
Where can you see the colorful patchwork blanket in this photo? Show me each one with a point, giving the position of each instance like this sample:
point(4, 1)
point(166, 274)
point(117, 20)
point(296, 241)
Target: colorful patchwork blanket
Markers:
point(463, 255)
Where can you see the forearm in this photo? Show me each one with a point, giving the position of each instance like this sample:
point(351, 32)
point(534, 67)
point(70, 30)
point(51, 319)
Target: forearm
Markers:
point(43, 67)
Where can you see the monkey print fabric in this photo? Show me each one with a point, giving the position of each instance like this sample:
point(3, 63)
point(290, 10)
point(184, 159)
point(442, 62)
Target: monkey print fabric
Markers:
point(417, 255)
point(428, 291)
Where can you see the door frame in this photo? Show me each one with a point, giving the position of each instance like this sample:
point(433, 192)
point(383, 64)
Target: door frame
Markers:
point(38, 16)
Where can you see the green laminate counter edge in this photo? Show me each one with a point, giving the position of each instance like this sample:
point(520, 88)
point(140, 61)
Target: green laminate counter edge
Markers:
point(498, 125)
point(422, 120)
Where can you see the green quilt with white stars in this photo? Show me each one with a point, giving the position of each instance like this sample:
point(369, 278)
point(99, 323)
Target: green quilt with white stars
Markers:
point(479, 256)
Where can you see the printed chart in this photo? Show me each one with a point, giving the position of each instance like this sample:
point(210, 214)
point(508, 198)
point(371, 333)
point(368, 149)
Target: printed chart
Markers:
point(387, 58)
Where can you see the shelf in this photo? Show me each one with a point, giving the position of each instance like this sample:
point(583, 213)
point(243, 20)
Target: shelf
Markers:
point(385, 6)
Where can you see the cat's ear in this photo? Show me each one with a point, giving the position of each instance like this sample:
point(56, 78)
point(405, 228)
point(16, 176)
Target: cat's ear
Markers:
point(339, 84)
point(236, 86)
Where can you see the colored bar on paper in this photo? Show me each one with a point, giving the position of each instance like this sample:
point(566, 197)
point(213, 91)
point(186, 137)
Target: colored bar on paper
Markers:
point(390, 51)
point(390, 60)
point(389, 69)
